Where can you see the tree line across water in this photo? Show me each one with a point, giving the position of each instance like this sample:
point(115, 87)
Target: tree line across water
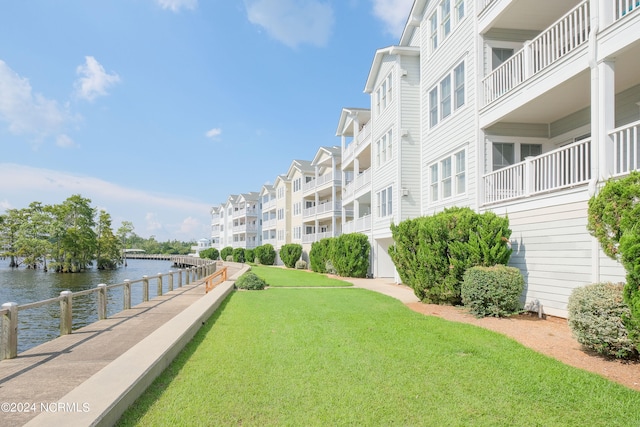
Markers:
point(71, 236)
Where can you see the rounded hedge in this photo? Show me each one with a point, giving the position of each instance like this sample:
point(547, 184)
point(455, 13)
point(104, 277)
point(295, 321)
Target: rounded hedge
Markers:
point(492, 291)
point(596, 318)
point(250, 281)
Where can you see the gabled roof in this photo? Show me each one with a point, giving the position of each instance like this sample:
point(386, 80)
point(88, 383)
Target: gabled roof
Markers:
point(413, 21)
point(281, 178)
point(304, 166)
point(379, 57)
point(249, 197)
point(267, 189)
point(325, 153)
point(346, 118)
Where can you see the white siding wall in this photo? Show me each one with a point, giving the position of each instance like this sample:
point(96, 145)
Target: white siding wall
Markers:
point(459, 130)
point(554, 250)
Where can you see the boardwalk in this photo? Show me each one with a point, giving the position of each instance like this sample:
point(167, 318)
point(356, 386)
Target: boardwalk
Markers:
point(39, 378)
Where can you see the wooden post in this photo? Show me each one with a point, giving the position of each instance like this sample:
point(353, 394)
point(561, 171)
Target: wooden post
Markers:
point(159, 291)
point(66, 316)
point(187, 276)
point(9, 332)
point(180, 278)
point(145, 288)
point(170, 280)
point(102, 301)
point(127, 294)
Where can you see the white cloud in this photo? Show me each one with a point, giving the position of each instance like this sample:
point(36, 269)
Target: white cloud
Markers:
point(95, 80)
point(393, 14)
point(214, 133)
point(293, 22)
point(64, 141)
point(176, 5)
point(160, 215)
point(26, 112)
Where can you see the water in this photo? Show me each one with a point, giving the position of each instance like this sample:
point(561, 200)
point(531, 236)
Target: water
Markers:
point(39, 325)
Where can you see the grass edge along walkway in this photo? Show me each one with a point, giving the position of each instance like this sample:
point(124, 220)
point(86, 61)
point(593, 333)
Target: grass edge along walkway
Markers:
point(284, 277)
point(355, 357)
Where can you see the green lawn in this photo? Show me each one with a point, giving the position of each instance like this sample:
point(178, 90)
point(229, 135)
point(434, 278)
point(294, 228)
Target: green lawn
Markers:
point(307, 357)
point(281, 277)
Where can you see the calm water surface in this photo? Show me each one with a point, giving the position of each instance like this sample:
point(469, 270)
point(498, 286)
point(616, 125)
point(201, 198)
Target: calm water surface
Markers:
point(38, 325)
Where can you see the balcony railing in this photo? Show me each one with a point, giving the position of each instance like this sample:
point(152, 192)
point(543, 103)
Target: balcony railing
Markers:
point(271, 223)
point(245, 212)
point(360, 181)
point(315, 237)
point(483, 4)
point(562, 38)
point(626, 148)
point(622, 8)
point(245, 228)
point(358, 225)
point(350, 149)
point(562, 168)
point(321, 180)
point(323, 208)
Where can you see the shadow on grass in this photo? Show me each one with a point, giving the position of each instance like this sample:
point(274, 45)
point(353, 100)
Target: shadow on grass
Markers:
point(140, 407)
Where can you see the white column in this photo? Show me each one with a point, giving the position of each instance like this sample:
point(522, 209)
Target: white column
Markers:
point(606, 117)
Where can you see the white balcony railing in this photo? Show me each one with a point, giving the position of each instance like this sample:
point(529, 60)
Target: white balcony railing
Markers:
point(323, 208)
point(621, 8)
point(322, 180)
point(245, 228)
point(245, 212)
point(271, 223)
point(626, 148)
point(557, 41)
point(562, 168)
point(483, 4)
point(362, 136)
point(363, 179)
point(315, 237)
point(359, 225)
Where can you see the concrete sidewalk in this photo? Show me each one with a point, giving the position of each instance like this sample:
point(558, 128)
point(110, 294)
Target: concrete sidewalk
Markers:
point(386, 286)
point(35, 381)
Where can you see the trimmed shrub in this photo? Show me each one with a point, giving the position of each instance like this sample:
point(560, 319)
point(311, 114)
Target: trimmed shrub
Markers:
point(238, 255)
point(320, 254)
point(265, 254)
point(210, 253)
point(596, 314)
point(249, 255)
point(350, 255)
point(301, 264)
point(613, 218)
point(225, 252)
point(290, 253)
point(432, 253)
point(250, 281)
point(492, 291)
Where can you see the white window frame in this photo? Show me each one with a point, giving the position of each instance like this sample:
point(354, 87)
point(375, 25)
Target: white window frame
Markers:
point(447, 176)
point(445, 18)
point(442, 106)
point(384, 200)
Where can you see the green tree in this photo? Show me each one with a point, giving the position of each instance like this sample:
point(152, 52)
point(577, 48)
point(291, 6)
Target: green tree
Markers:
point(108, 246)
point(9, 228)
point(32, 243)
point(77, 243)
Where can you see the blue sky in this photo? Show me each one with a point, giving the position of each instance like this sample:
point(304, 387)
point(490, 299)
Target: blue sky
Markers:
point(157, 110)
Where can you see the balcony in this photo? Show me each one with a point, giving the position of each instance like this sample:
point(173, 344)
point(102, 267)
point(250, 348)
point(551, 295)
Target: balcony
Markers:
point(565, 167)
point(626, 148)
point(268, 224)
point(358, 142)
point(245, 212)
point(245, 228)
point(312, 185)
point(271, 204)
point(324, 208)
point(316, 237)
point(362, 180)
point(555, 43)
point(360, 225)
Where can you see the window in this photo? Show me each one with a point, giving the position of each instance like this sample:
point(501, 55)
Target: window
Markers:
point(445, 13)
point(384, 93)
point(442, 100)
point(297, 231)
point(448, 177)
point(433, 107)
point(433, 27)
point(503, 154)
point(460, 172)
point(445, 97)
point(385, 202)
point(499, 55)
point(529, 150)
point(458, 79)
point(297, 208)
point(309, 229)
point(280, 214)
point(280, 192)
point(297, 184)
point(384, 148)
point(459, 5)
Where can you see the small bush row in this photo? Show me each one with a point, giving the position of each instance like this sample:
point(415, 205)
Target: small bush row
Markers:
point(210, 253)
point(265, 254)
point(492, 291)
point(346, 255)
